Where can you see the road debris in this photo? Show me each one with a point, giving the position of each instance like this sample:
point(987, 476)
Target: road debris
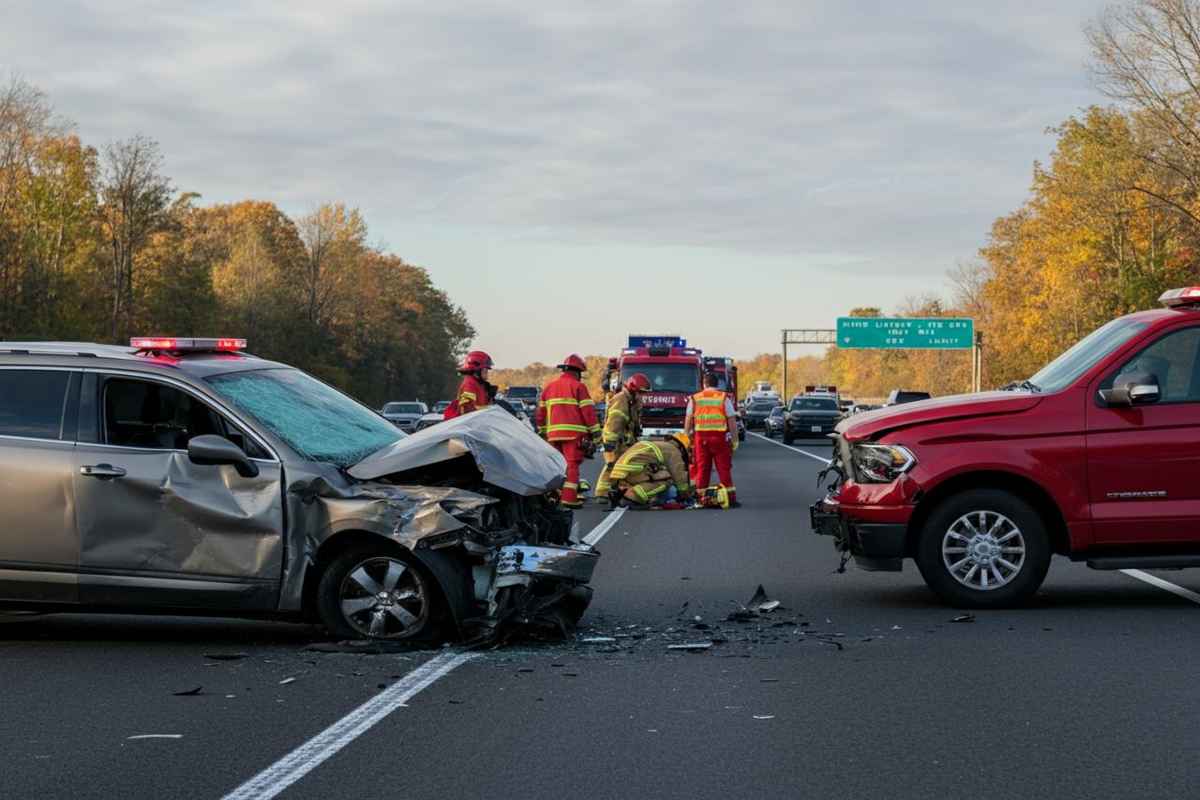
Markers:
point(155, 736)
point(764, 716)
point(286, 681)
point(964, 618)
point(598, 639)
point(691, 646)
point(190, 692)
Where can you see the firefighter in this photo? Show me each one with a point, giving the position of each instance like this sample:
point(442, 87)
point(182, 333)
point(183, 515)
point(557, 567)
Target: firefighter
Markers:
point(622, 426)
point(474, 392)
point(712, 421)
point(566, 417)
point(649, 471)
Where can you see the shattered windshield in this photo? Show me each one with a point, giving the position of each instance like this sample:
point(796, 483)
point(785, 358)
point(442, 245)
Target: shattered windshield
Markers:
point(317, 421)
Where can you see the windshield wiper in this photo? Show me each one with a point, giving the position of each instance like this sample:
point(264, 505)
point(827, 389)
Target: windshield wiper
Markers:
point(1026, 385)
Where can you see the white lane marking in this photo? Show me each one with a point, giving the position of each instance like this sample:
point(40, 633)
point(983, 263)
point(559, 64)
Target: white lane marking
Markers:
point(822, 459)
point(597, 533)
point(308, 756)
point(1154, 580)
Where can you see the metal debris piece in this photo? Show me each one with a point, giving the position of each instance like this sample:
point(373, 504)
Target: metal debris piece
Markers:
point(597, 639)
point(286, 681)
point(769, 606)
point(764, 716)
point(691, 646)
point(964, 618)
point(190, 692)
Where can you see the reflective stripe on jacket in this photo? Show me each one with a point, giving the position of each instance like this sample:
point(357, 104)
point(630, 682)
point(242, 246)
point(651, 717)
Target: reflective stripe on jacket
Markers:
point(708, 411)
point(472, 396)
point(650, 457)
point(621, 419)
point(566, 411)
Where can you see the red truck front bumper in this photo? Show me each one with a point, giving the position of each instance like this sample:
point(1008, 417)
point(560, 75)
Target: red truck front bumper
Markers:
point(869, 521)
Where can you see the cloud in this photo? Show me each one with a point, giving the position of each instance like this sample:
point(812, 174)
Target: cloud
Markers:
point(860, 131)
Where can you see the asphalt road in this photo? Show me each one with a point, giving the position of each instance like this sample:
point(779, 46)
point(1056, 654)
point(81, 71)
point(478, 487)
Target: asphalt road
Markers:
point(858, 686)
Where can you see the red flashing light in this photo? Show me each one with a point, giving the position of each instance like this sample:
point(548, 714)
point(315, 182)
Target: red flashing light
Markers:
point(168, 344)
point(151, 343)
point(1187, 296)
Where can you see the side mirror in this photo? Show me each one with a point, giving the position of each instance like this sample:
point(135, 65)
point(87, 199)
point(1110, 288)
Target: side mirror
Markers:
point(1134, 389)
point(218, 451)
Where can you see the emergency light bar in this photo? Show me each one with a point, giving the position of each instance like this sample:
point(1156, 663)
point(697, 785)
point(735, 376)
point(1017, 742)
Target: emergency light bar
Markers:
point(1187, 296)
point(174, 345)
point(656, 341)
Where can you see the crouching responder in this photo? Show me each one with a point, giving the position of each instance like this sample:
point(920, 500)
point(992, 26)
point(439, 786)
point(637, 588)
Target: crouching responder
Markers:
point(622, 425)
point(653, 472)
point(712, 419)
point(566, 418)
point(474, 392)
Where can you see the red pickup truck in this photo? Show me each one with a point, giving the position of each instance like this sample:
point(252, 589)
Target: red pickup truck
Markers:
point(1096, 457)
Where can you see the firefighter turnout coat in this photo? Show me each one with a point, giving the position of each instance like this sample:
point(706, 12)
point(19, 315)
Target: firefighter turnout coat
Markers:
point(647, 468)
point(566, 411)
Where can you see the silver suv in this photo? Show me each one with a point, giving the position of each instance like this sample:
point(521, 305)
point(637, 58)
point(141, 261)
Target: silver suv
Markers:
point(187, 475)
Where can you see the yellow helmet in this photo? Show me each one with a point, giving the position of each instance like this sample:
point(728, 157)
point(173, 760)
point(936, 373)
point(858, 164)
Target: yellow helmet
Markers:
point(683, 439)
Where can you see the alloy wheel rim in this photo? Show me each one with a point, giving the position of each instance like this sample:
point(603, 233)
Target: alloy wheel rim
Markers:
point(983, 550)
point(384, 598)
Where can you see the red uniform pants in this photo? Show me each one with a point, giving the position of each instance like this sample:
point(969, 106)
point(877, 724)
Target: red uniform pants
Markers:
point(711, 448)
point(573, 452)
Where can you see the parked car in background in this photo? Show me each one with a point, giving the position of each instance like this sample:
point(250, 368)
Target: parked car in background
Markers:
point(900, 396)
point(757, 412)
point(811, 417)
point(773, 426)
point(859, 408)
point(517, 409)
point(404, 415)
point(528, 395)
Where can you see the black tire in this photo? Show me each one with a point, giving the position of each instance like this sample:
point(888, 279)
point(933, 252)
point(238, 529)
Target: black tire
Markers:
point(983, 509)
point(787, 435)
point(336, 585)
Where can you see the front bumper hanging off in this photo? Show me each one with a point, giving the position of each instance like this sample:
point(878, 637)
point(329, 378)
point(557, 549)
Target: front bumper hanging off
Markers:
point(876, 547)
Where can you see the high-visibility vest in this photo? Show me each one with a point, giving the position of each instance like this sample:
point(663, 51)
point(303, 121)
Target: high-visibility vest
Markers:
point(566, 411)
point(708, 411)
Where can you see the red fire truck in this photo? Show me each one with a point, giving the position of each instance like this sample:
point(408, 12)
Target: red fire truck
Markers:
point(674, 370)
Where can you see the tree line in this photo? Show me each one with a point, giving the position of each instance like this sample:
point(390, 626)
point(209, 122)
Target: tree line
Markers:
point(97, 244)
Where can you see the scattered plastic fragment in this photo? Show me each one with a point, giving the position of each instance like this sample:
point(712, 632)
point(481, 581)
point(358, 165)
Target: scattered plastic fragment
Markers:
point(764, 716)
point(597, 639)
point(691, 646)
point(964, 618)
point(190, 692)
point(155, 736)
point(286, 681)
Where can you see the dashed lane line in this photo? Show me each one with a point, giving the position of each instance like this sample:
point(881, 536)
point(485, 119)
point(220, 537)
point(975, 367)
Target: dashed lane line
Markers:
point(597, 533)
point(822, 459)
point(310, 755)
point(1154, 580)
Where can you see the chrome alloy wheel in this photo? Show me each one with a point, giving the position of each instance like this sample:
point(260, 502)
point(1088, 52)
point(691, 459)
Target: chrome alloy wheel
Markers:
point(384, 598)
point(983, 550)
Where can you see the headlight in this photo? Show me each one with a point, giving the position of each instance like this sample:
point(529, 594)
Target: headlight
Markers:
point(881, 463)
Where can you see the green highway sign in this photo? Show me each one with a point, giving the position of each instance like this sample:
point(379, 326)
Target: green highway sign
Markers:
point(906, 333)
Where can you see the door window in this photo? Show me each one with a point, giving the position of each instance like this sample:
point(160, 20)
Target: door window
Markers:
point(1173, 360)
point(32, 402)
point(156, 416)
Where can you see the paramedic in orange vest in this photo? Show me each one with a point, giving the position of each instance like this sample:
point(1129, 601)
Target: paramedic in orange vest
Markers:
point(566, 417)
point(712, 423)
point(474, 392)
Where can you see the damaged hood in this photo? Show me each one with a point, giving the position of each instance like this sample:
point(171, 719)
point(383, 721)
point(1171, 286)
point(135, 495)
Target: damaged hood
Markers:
point(961, 406)
point(508, 453)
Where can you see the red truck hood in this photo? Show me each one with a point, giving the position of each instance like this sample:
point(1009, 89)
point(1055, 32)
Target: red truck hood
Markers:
point(960, 406)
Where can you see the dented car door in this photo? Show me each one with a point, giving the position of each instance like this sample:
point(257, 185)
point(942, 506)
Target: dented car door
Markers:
point(157, 529)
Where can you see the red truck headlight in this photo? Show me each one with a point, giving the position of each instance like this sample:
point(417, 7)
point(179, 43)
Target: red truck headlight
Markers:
point(881, 463)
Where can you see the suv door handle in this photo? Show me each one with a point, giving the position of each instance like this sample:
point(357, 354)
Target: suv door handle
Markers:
point(102, 471)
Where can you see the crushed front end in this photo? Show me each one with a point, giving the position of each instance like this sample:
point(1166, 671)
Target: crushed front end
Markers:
point(868, 502)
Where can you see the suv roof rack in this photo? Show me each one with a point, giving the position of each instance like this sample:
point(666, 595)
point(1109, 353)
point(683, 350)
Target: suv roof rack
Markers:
point(86, 349)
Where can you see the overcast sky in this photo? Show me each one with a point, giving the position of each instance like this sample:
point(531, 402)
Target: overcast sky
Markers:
point(573, 172)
